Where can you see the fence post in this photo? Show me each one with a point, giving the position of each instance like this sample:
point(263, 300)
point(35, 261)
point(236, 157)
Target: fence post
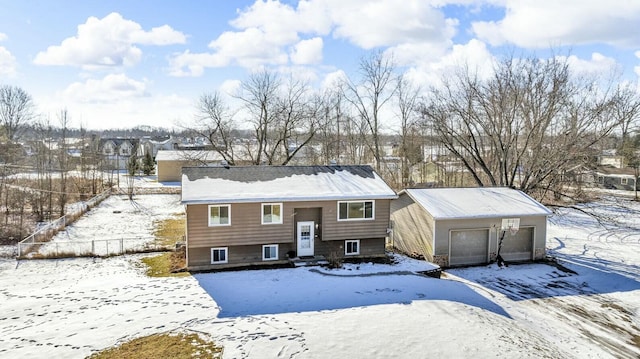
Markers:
point(121, 245)
point(19, 244)
point(93, 247)
point(107, 248)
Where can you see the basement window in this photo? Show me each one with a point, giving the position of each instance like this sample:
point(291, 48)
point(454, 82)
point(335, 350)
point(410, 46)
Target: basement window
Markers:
point(270, 252)
point(219, 255)
point(351, 247)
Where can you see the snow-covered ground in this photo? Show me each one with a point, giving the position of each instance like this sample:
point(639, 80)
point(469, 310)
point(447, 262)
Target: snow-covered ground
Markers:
point(590, 309)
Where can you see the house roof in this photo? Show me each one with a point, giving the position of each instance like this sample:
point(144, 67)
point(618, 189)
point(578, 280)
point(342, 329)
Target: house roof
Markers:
point(195, 155)
point(482, 202)
point(281, 183)
point(616, 172)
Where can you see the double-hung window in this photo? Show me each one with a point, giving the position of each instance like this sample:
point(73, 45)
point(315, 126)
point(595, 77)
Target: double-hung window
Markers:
point(270, 252)
point(219, 255)
point(219, 215)
point(272, 213)
point(356, 210)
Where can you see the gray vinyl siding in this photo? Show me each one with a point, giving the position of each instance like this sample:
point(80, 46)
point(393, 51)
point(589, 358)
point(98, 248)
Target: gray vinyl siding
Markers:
point(334, 230)
point(200, 258)
point(246, 234)
point(246, 227)
point(412, 227)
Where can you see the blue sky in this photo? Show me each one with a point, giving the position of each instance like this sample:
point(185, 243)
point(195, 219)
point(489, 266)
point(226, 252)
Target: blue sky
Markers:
point(119, 64)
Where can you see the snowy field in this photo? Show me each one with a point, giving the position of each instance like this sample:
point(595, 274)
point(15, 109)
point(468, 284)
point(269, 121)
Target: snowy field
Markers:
point(589, 308)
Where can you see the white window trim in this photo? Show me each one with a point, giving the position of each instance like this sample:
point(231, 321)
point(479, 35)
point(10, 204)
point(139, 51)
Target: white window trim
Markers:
point(277, 252)
point(624, 181)
point(226, 255)
point(353, 253)
point(209, 215)
point(373, 211)
point(271, 204)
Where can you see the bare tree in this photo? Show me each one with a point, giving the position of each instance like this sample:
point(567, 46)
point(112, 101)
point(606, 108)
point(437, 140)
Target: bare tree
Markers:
point(283, 122)
point(369, 96)
point(295, 125)
point(625, 110)
point(216, 124)
point(526, 126)
point(410, 146)
point(62, 156)
point(258, 93)
point(16, 110)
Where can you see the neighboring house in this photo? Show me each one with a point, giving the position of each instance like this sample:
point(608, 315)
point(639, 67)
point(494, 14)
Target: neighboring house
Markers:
point(152, 145)
point(118, 150)
point(615, 178)
point(170, 163)
point(238, 216)
point(462, 226)
point(610, 158)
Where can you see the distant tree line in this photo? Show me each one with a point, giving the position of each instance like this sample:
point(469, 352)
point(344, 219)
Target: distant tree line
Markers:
point(530, 123)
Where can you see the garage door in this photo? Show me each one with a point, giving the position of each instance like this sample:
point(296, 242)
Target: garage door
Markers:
point(518, 247)
point(469, 247)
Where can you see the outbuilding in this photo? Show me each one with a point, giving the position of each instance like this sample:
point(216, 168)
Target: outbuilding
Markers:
point(464, 226)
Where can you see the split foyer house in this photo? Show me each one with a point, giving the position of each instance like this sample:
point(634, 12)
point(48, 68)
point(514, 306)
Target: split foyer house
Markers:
point(238, 216)
point(463, 226)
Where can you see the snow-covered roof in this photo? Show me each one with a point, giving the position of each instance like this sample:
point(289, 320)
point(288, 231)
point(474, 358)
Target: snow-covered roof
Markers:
point(281, 183)
point(170, 155)
point(482, 202)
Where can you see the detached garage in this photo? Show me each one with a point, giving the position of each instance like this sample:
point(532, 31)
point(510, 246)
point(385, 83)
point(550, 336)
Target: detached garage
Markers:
point(464, 226)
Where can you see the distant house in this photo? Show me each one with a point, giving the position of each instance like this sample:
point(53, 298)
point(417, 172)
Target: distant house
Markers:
point(117, 151)
point(170, 163)
point(238, 216)
point(611, 159)
point(615, 178)
point(462, 226)
point(152, 145)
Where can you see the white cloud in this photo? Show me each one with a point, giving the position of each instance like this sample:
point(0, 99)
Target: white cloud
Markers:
point(548, 23)
point(307, 52)
point(333, 79)
point(8, 63)
point(3, 37)
point(473, 55)
point(117, 101)
point(389, 22)
point(110, 89)
point(190, 64)
point(598, 64)
point(109, 41)
point(269, 30)
point(230, 88)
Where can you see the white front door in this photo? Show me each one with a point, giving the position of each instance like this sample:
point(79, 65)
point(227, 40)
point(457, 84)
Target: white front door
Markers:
point(305, 238)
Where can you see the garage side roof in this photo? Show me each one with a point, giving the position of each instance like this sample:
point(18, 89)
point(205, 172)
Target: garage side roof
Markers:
point(232, 184)
point(179, 155)
point(482, 202)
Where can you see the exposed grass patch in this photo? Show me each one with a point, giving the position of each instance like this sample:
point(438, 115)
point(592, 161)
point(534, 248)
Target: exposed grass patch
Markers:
point(169, 264)
point(170, 230)
point(176, 346)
